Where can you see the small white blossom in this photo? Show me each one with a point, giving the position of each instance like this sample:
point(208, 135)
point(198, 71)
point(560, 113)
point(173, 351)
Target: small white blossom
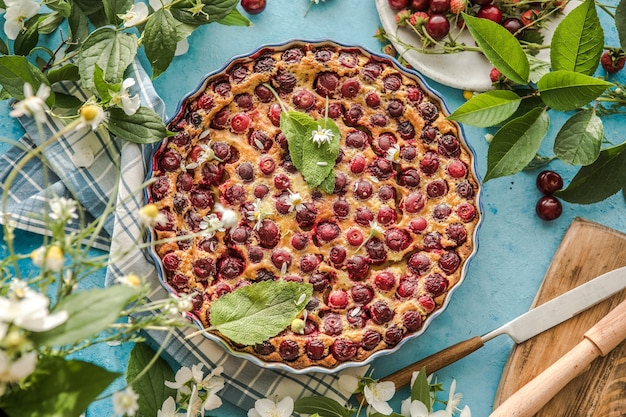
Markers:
point(378, 393)
point(91, 115)
point(393, 153)
point(230, 218)
point(488, 137)
point(130, 280)
point(18, 12)
point(150, 215)
point(129, 104)
point(32, 105)
point(454, 399)
point(181, 378)
point(28, 309)
point(15, 371)
point(211, 224)
point(48, 257)
point(295, 202)
point(260, 210)
point(321, 135)
point(125, 402)
point(206, 154)
point(135, 15)
point(376, 229)
point(63, 209)
point(414, 408)
point(466, 412)
point(269, 408)
point(168, 409)
point(157, 4)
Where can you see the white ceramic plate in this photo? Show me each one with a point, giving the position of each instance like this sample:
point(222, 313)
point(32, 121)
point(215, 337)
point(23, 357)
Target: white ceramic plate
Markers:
point(464, 70)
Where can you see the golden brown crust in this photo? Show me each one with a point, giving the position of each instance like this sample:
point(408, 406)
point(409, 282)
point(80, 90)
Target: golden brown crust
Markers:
point(431, 176)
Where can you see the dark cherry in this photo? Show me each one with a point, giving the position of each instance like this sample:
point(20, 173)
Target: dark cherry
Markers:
point(309, 262)
point(409, 178)
point(206, 101)
point(341, 182)
point(323, 55)
point(306, 217)
point(260, 140)
point(513, 25)
point(429, 112)
point(418, 263)
point(303, 99)
point(427, 302)
point(408, 153)
point(326, 84)
point(354, 237)
point(393, 335)
point(372, 100)
point(429, 163)
point(357, 267)
point(371, 71)
point(282, 182)
point(357, 164)
point(398, 4)
point(332, 324)
point(203, 268)
point(439, 6)
point(414, 202)
point(406, 130)
point(418, 224)
point(381, 168)
point(253, 6)
point(449, 145)
point(457, 169)
point(284, 81)
point(436, 284)
point(235, 194)
point(168, 224)
point(263, 93)
point(337, 299)
point(406, 287)
point(230, 267)
point(466, 212)
point(449, 262)
point(335, 110)
point(281, 259)
point(380, 312)
point(208, 244)
point(379, 120)
point(350, 88)
point(348, 59)
point(299, 241)
point(432, 241)
point(457, 233)
point(289, 350)
point(315, 349)
point(170, 160)
point(548, 182)
point(212, 174)
point(255, 254)
point(370, 340)
point(241, 234)
point(490, 12)
point(179, 281)
point(357, 317)
point(171, 261)
point(240, 122)
point(319, 281)
point(267, 165)
point(363, 216)
point(292, 55)
point(437, 188)
point(238, 74)
point(268, 234)
point(264, 348)
point(220, 120)
point(548, 208)
point(222, 88)
point(386, 216)
point(438, 26)
point(343, 349)
point(337, 255)
point(386, 193)
point(160, 187)
point(362, 294)
point(341, 208)
point(357, 139)
point(385, 280)
point(353, 115)
point(363, 189)
point(464, 189)
point(265, 275)
point(392, 82)
point(441, 211)
point(201, 199)
point(412, 320)
point(327, 231)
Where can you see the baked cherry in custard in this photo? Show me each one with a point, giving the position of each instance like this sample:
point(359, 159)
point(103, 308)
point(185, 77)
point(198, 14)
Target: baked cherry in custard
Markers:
point(381, 251)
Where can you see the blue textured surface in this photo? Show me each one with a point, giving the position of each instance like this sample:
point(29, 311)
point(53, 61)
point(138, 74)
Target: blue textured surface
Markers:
point(515, 247)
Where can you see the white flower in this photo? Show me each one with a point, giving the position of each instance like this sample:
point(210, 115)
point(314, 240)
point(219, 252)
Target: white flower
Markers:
point(466, 412)
point(259, 212)
point(414, 408)
point(376, 229)
point(32, 105)
point(194, 408)
point(157, 4)
point(378, 393)
point(135, 15)
point(63, 209)
point(211, 224)
point(393, 153)
point(230, 218)
point(205, 155)
point(50, 258)
point(268, 408)
point(150, 215)
point(129, 104)
point(18, 11)
point(454, 399)
point(348, 383)
point(183, 375)
point(125, 402)
point(168, 409)
point(91, 115)
point(321, 135)
point(130, 280)
point(295, 202)
point(29, 309)
point(15, 371)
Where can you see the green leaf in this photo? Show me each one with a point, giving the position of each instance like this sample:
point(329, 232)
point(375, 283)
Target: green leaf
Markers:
point(112, 8)
point(538, 161)
point(150, 387)
point(254, 313)
point(578, 40)
point(111, 50)
point(160, 40)
point(600, 180)
point(328, 185)
point(213, 11)
point(530, 102)
point(420, 390)
point(69, 102)
point(235, 18)
point(79, 28)
point(49, 23)
point(566, 90)
point(15, 70)
point(90, 312)
point(295, 126)
point(579, 139)
point(500, 47)
point(620, 23)
point(516, 143)
point(487, 109)
point(62, 7)
point(101, 87)
point(68, 72)
point(323, 406)
point(143, 127)
point(538, 68)
point(59, 388)
point(27, 40)
point(4, 49)
point(313, 169)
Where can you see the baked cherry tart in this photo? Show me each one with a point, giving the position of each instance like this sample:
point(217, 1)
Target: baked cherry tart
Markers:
point(382, 242)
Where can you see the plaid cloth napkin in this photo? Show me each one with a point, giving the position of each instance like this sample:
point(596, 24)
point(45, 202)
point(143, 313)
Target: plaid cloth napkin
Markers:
point(85, 166)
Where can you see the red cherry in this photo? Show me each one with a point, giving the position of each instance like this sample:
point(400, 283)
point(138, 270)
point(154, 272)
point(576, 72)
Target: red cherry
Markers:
point(253, 6)
point(490, 12)
point(437, 26)
point(548, 208)
point(548, 182)
point(398, 4)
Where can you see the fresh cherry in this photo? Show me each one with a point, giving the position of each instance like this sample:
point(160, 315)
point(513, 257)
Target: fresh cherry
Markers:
point(548, 182)
point(548, 208)
point(437, 26)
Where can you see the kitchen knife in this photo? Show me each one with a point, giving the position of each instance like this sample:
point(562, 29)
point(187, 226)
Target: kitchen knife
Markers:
point(601, 339)
point(535, 321)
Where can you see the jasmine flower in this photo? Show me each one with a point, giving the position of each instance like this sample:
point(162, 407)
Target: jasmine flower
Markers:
point(130, 280)
point(28, 309)
point(268, 408)
point(295, 202)
point(129, 104)
point(378, 393)
point(125, 402)
point(17, 12)
point(135, 15)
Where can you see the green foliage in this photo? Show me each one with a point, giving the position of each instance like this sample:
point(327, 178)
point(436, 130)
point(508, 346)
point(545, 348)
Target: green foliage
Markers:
point(522, 110)
point(151, 394)
point(254, 313)
point(59, 388)
point(145, 126)
point(420, 390)
point(322, 406)
point(15, 71)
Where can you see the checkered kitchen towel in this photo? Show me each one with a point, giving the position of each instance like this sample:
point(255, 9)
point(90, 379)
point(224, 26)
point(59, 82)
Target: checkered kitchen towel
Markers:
point(86, 166)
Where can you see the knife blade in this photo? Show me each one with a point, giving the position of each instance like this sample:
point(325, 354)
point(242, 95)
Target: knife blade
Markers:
point(525, 326)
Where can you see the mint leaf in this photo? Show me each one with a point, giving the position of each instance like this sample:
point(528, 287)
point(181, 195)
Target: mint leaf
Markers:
point(579, 139)
point(487, 109)
point(322, 406)
point(620, 23)
point(254, 313)
point(15, 71)
point(295, 127)
point(111, 50)
point(590, 184)
point(420, 390)
point(319, 160)
point(145, 126)
point(500, 47)
point(578, 40)
point(59, 388)
point(150, 387)
point(516, 143)
point(90, 312)
point(566, 90)
point(159, 40)
point(328, 185)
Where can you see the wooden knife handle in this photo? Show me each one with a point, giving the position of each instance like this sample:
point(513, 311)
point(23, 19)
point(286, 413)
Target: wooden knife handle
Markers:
point(598, 341)
point(434, 362)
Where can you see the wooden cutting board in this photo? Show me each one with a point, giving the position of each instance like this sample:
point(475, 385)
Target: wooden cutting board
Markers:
point(587, 250)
